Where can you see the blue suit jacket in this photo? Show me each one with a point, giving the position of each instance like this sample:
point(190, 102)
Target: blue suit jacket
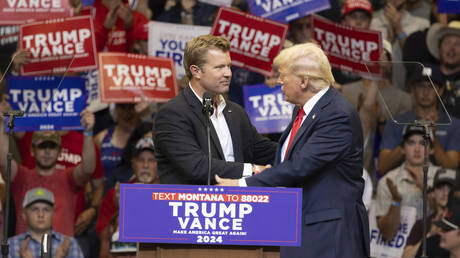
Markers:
point(325, 159)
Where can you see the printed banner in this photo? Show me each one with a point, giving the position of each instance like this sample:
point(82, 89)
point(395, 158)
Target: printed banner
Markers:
point(58, 45)
point(14, 12)
point(394, 248)
point(254, 41)
point(266, 107)
point(449, 6)
point(217, 2)
point(126, 78)
point(190, 214)
point(348, 48)
point(169, 40)
point(48, 103)
point(286, 11)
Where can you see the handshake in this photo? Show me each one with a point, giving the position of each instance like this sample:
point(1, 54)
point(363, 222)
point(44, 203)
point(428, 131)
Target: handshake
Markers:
point(256, 169)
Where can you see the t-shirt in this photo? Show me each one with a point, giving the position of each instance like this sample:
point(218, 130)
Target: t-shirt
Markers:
point(61, 183)
point(71, 156)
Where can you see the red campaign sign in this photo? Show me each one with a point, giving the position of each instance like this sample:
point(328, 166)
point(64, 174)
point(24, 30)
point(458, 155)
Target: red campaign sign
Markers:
point(15, 12)
point(348, 48)
point(128, 78)
point(59, 44)
point(254, 41)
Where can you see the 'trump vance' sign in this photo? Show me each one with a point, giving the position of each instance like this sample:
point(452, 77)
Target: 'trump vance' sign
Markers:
point(48, 103)
point(286, 10)
point(254, 41)
point(267, 109)
point(210, 215)
point(133, 78)
point(19, 11)
point(58, 45)
point(348, 48)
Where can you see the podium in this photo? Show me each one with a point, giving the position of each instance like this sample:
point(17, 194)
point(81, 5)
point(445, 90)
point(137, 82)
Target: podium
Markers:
point(149, 250)
point(186, 221)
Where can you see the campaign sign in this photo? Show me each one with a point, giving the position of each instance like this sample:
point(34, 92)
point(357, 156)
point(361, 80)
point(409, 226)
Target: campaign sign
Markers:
point(126, 78)
point(169, 40)
point(395, 247)
point(254, 41)
point(449, 6)
point(189, 214)
point(217, 2)
point(58, 45)
point(286, 11)
point(19, 11)
point(348, 48)
point(48, 103)
point(266, 107)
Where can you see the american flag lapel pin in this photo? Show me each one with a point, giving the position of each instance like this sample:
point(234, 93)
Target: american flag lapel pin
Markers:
point(313, 116)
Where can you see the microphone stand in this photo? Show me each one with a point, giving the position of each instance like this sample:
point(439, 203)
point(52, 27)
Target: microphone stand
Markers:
point(11, 115)
point(208, 111)
point(426, 137)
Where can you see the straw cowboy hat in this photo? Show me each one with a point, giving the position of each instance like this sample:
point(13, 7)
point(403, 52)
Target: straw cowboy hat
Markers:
point(436, 32)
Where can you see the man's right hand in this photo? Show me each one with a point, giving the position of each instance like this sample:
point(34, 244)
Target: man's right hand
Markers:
point(395, 194)
point(20, 57)
point(256, 169)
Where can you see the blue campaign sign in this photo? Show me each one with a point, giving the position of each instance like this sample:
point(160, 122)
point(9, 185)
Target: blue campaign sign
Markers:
point(48, 103)
point(286, 11)
point(449, 6)
point(189, 214)
point(267, 110)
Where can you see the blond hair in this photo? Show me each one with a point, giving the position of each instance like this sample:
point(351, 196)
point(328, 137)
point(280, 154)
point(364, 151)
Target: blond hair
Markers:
point(307, 60)
point(196, 49)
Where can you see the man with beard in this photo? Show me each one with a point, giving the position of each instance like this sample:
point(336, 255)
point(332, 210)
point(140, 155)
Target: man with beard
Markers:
point(426, 106)
point(144, 166)
point(443, 42)
point(64, 184)
point(180, 132)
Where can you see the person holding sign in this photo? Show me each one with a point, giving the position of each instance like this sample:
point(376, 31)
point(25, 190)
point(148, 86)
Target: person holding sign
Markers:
point(180, 131)
point(64, 184)
point(321, 152)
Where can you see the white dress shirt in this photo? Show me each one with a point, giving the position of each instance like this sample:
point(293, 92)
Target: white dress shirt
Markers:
point(223, 133)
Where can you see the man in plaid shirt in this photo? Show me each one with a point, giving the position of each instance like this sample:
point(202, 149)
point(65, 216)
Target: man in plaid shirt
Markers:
point(38, 213)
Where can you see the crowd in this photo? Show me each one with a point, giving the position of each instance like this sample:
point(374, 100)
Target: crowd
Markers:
point(75, 200)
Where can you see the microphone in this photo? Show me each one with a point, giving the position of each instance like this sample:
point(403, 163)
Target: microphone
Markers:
point(13, 113)
point(46, 246)
point(208, 103)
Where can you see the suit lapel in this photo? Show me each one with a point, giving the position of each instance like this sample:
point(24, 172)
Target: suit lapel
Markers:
point(285, 134)
point(234, 128)
point(197, 109)
point(314, 113)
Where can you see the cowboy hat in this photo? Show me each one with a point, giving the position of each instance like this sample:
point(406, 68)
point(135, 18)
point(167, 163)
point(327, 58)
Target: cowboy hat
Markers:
point(436, 32)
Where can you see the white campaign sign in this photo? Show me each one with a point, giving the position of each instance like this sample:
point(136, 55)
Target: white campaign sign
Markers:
point(393, 249)
point(168, 40)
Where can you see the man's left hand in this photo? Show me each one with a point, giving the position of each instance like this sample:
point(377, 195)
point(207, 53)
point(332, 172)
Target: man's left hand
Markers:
point(63, 249)
point(226, 182)
point(83, 220)
point(87, 120)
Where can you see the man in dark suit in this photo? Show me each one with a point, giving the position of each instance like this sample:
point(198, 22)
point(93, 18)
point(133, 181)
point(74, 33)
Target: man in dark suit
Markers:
point(180, 126)
point(321, 152)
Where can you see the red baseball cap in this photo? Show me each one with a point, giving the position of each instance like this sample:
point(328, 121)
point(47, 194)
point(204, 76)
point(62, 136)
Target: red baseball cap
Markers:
point(353, 5)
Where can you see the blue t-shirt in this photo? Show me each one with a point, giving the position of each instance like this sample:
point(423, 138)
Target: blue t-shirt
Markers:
point(448, 135)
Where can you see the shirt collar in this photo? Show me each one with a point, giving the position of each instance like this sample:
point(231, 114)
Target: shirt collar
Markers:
point(53, 234)
point(220, 106)
point(308, 106)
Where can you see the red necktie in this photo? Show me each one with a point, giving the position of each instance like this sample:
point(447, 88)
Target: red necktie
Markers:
point(295, 128)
